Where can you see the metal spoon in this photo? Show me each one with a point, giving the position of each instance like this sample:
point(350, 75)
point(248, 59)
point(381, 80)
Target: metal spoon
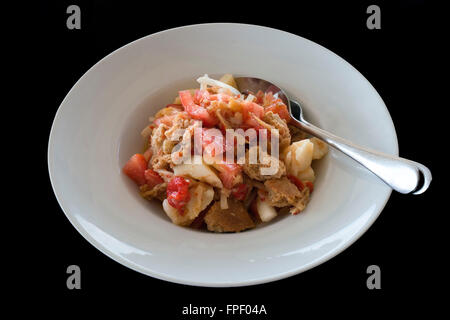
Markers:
point(402, 175)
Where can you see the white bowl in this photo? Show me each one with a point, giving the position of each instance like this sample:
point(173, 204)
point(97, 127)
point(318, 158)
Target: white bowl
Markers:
point(97, 128)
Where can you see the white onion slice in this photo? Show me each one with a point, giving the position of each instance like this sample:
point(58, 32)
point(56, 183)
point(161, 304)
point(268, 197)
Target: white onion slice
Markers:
point(223, 201)
point(265, 211)
point(205, 80)
point(250, 98)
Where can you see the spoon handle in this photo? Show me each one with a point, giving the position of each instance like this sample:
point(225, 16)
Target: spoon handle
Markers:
point(400, 174)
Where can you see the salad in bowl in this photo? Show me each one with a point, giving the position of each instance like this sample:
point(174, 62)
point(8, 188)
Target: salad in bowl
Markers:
point(225, 161)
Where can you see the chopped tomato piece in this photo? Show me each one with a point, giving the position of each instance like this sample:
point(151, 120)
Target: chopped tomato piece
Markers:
point(229, 173)
point(250, 110)
point(152, 178)
point(240, 191)
point(211, 144)
point(268, 98)
point(135, 168)
point(195, 111)
point(178, 193)
point(297, 182)
point(201, 96)
point(214, 142)
point(251, 107)
point(259, 97)
point(220, 97)
point(281, 109)
point(250, 121)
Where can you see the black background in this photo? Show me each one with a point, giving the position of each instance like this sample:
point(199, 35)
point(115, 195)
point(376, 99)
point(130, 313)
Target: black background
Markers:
point(400, 62)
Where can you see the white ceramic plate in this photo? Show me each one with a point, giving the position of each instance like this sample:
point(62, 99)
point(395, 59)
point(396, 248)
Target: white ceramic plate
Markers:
point(97, 128)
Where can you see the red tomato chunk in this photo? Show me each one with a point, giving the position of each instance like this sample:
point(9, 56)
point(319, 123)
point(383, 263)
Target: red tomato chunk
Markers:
point(152, 178)
point(135, 169)
point(281, 109)
point(228, 173)
point(195, 111)
point(240, 191)
point(178, 193)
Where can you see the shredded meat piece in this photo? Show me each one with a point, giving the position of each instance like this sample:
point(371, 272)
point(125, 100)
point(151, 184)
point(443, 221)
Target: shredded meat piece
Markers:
point(161, 161)
point(164, 139)
point(179, 123)
point(158, 191)
point(233, 219)
point(253, 170)
point(262, 123)
point(168, 146)
point(158, 138)
point(276, 122)
point(273, 121)
point(253, 183)
point(282, 193)
point(184, 143)
point(167, 111)
point(165, 175)
point(296, 134)
point(302, 202)
point(222, 120)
